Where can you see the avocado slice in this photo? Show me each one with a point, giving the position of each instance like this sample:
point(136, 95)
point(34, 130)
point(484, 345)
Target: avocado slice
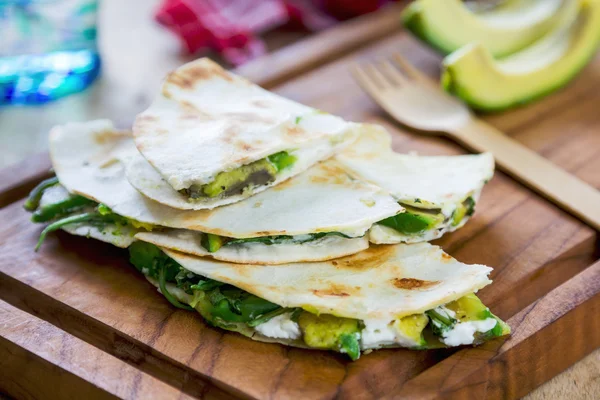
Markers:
point(211, 242)
point(464, 209)
point(233, 182)
point(488, 85)
point(258, 173)
point(469, 308)
point(414, 220)
point(330, 332)
point(412, 327)
point(448, 25)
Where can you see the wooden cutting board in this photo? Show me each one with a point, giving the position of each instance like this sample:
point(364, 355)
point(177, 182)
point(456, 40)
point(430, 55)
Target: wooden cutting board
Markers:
point(85, 313)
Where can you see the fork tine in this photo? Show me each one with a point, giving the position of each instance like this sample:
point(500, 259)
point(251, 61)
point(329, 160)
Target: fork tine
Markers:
point(408, 68)
point(377, 76)
point(365, 80)
point(393, 73)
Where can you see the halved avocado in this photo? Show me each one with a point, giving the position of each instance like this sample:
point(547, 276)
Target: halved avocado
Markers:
point(448, 25)
point(488, 85)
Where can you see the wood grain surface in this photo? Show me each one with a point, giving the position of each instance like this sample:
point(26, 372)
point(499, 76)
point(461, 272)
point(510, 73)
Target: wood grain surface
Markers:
point(72, 367)
point(546, 281)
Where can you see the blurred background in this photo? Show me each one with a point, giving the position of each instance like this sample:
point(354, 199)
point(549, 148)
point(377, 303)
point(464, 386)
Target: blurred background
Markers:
point(137, 42)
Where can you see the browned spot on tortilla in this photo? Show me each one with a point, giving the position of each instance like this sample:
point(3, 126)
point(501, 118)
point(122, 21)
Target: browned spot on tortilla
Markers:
point(190, 111)
point(107, 136)
point(336, 290)
point(260, 103)
point(243, 146)
point(373, 257)
point(146, 118)
point(200, 215)
point(330, 173)
point(411, 283)
point(334, 262)
point(187, 77)
point(230, 132)
point(294, 131)
point(248, 117)
point(161, 131)
point(257, 204)
point(446, 257)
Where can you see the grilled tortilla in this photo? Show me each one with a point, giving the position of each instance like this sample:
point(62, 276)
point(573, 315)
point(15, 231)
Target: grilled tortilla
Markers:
point(439, 193)
point(320, 214)
point(214, 138)
point(413, 296)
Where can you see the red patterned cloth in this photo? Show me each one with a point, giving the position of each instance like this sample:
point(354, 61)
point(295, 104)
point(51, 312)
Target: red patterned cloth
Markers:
point(230, 26)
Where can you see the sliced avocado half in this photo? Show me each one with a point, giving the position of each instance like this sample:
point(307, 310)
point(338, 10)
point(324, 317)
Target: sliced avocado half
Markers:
point(448, 25)
point(493, 85)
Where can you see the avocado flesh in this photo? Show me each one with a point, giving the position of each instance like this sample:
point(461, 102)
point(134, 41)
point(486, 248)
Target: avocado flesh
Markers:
point(504, 30)
point(412, 327)
point(489, 85)
point(414, 220)
point(211, 242)
point(326, 331)
point(230, 183)
point(464, 209)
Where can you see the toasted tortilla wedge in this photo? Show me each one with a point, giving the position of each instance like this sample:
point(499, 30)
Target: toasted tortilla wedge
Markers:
point(381, 283)
point(439, 183)
point(89, 160)
point(207, 121)
point(259, 253)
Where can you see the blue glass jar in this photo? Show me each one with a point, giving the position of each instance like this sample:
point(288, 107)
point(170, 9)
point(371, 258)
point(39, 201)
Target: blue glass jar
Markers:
point(47, 49)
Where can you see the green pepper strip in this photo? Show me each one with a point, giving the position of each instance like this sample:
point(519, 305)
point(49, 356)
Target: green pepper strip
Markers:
point(33, 200)
point(67, 206)
point(162, 283)
point(65, 221)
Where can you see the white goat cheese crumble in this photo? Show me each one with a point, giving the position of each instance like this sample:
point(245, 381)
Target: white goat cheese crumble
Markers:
point(379, 333)
point(280, 327)
point(464, 332)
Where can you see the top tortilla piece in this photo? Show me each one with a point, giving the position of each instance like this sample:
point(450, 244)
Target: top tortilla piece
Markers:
point(207, 120)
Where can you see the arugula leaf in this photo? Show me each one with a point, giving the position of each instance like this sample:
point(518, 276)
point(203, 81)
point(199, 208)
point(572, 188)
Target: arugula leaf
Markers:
point(440, 321)
point(162, 283)
point(270, 240)
point(149, 259)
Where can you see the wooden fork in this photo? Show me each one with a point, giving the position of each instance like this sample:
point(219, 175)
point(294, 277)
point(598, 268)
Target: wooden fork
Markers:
point(414, 100)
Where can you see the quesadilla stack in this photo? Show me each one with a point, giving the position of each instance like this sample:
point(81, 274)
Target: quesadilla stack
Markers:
point(296, 258)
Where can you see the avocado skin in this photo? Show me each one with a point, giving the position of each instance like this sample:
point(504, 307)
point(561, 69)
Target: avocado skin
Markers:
point(589, 17)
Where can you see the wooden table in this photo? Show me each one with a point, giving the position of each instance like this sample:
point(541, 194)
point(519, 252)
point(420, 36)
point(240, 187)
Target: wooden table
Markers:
point(136, 54)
